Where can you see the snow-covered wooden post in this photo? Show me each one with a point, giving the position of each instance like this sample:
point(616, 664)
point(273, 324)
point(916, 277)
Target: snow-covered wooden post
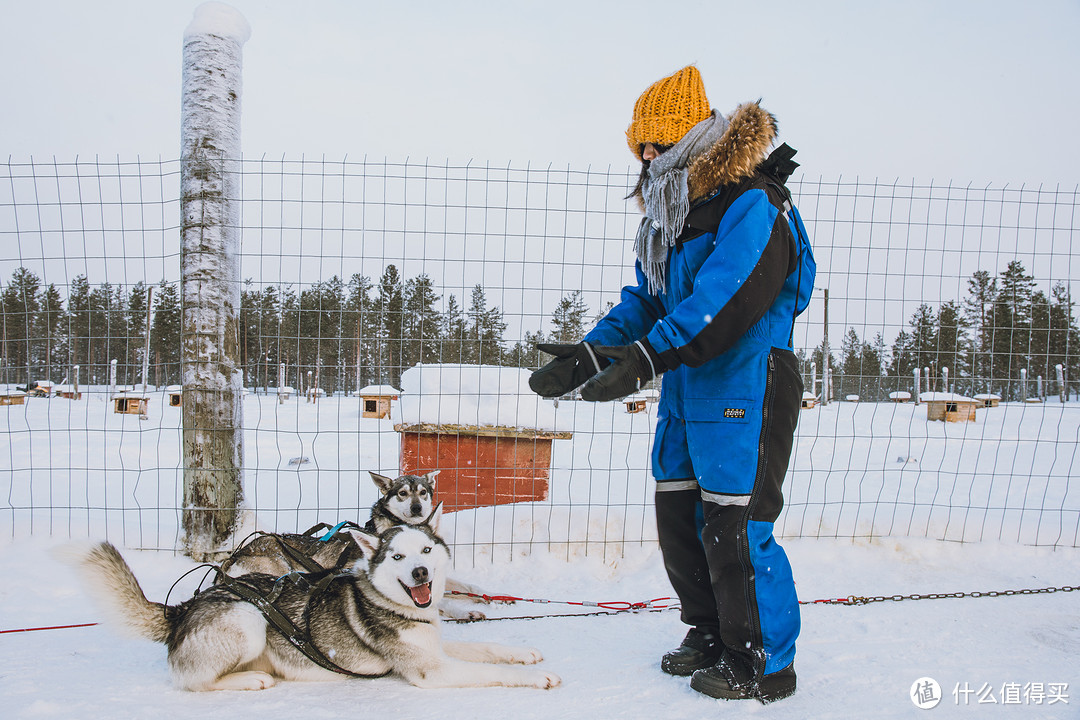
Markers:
point(1062, 392)
point(210, 278)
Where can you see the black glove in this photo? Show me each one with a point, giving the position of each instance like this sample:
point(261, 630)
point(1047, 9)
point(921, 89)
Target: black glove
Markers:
point(632, 366)
point(574, 363)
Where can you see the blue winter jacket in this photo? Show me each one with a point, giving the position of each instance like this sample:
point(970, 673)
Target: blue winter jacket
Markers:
point(737, 278)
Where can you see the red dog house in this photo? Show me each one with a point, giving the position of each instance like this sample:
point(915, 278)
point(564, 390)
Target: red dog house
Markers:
point(480, 466)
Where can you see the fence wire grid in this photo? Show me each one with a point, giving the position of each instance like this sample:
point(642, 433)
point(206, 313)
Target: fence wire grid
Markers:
point(931, 300)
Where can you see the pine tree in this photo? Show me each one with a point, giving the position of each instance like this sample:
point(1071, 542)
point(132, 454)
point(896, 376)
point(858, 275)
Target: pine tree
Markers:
point(452, 348)
point(319, 340)
point(135, 326)
point(982, 293)
point(923, 342)
point(165, 333)
point(952, 343)
point(485, 330)
point(50, 329)
point(79, 320)
point(20, 302)
point(362, 327)
point(422, 322)
point(389, 305)
point(850, 370)
point(902, 364)
point(1064, 341)
point(268, 333)
point(568, 320)
point(1039, 364)
point(1013, 320)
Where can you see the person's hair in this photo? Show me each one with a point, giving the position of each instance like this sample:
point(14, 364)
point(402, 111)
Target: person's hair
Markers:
point(660, 150)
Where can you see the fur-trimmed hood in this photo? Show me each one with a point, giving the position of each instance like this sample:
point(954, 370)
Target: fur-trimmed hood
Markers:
point(743, 146)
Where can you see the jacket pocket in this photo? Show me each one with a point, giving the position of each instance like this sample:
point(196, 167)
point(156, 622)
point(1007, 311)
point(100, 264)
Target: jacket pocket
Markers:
point(727, 411)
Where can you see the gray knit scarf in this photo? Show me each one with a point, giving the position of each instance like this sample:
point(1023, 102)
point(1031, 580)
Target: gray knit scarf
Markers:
point(666, 198)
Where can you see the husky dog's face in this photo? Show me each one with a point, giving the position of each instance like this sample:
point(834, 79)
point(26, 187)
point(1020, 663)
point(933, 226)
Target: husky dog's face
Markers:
point(409, 498)
point(408, 562)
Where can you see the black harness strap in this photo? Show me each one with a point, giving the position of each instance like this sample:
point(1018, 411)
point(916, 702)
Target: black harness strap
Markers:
point(301, 640)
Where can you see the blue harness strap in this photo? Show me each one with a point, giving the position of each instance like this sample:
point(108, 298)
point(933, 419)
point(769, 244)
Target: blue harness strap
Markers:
point(333, 531)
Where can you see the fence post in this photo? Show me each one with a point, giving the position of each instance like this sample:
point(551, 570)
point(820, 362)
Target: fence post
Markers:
point(210, 278)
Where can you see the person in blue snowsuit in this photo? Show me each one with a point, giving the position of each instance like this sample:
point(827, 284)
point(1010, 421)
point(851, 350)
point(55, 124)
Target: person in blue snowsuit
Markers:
point(723, 269)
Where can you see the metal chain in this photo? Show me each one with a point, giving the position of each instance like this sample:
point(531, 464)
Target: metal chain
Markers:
point(858, 600)
point(662, 604)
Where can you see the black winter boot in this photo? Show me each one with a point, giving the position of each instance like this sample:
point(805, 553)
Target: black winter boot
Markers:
point(724, 681)
point(700, 649)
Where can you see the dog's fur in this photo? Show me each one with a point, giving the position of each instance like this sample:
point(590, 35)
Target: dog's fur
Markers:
point(375, 617)
point(406, 500)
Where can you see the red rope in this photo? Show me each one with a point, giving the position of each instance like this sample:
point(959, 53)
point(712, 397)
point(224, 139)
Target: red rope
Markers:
point(664, 603)
point(51, 627)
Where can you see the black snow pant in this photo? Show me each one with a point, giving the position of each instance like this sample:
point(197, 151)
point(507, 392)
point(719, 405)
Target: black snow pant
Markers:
point(711, 550)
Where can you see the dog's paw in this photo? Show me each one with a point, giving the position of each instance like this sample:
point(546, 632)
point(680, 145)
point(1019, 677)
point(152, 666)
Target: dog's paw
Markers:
point(547, 680)
point(524, 656)
point(455, 613)
point(248, 680)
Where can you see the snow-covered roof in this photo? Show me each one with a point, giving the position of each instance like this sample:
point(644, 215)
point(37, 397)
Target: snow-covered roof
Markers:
point(473, 396)
point(900, 395)
point(10, 390)
point(174, 389)
point(131, 394)
point(944, 397)
point(285, 389)
point(987, 396)
point(807, 395)
point(379, 390)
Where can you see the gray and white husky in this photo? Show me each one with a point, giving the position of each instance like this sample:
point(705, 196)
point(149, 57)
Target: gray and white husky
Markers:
point(375, 617)
point(405, 500)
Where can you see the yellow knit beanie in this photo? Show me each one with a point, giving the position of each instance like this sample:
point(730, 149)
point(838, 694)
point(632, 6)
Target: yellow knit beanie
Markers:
point(667, 110)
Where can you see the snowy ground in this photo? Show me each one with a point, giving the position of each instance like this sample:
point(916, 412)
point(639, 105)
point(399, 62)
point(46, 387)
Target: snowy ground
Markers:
point(853, 662)
point(1000, 484)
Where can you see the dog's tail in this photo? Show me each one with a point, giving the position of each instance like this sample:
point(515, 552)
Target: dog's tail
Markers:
point(110, 581)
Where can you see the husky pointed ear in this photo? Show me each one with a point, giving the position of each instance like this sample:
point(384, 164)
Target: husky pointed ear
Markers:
point(382, 482)
point(433, 519)
point(431, 476)
point(368, 543)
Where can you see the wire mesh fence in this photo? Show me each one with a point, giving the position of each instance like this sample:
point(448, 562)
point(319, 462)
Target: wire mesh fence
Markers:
point(379, 294)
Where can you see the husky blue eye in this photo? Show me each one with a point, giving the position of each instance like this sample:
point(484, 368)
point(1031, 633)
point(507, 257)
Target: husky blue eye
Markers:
point(427, 550)
point(399, 556)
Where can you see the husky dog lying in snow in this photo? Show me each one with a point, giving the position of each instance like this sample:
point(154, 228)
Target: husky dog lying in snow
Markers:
point(374, 617)
point(406, 500)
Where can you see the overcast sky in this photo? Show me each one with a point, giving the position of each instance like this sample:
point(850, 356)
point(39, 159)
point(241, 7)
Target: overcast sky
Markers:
point(977, 91)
